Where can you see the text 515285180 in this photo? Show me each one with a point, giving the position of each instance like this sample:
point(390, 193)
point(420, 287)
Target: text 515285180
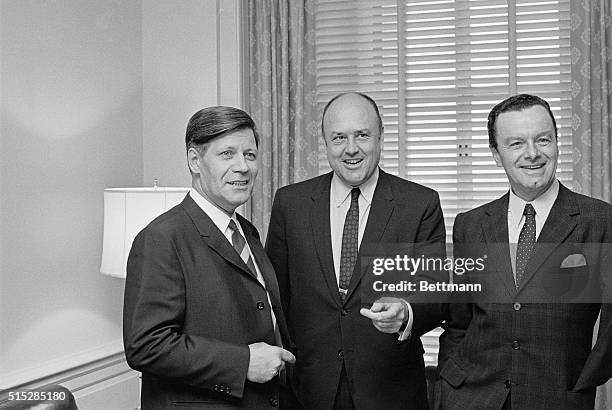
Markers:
point(36, 395)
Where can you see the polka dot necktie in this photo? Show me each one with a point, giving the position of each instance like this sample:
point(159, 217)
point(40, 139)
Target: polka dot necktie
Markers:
point(526, 243)
point(350, 233)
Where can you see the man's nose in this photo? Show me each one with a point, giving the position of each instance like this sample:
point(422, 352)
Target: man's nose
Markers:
point(532, 150)
point(240, 164)
point(351, 146)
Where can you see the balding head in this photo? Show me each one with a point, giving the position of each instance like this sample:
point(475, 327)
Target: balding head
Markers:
point(349, 96)
point(353, 134)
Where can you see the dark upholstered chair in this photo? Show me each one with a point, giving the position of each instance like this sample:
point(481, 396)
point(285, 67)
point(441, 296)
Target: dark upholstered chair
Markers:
point(65, 400)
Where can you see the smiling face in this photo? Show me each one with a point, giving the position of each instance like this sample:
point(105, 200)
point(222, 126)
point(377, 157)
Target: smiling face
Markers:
point(224, 169)
point(353, 139)
point(527, 149)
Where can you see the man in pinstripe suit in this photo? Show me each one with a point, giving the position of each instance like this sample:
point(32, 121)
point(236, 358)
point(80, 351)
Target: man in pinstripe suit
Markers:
point(527, 354)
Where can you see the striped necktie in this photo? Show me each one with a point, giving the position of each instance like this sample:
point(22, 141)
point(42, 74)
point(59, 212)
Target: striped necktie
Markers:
point(239, 243)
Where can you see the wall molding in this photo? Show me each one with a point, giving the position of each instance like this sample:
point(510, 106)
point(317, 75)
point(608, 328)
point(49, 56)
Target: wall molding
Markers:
point(106, 382)
point(30, 375)
point(229, 44)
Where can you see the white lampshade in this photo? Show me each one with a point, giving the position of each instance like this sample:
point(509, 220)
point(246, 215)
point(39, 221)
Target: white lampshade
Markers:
point(126, 212)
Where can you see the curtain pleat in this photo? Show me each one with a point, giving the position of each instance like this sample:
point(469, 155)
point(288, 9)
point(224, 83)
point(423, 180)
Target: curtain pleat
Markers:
point(591, 43)
point(281, 97)
point(591, 51)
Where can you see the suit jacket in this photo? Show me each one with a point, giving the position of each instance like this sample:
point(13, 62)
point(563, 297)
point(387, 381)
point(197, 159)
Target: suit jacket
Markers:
point(539, 353)
point(383, 372)
point(192, 308)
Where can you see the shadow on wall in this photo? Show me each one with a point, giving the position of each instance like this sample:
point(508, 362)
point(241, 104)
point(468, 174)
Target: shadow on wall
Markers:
point(56, 306)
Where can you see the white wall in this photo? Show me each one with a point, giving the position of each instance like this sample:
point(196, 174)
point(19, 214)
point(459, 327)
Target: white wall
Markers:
point(70, 122)
point(94, 94)
point(190, 61)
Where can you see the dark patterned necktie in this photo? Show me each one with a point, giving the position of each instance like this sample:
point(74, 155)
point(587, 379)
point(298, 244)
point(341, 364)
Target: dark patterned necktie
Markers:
point(350, 237)
point(239, 243)
point(526, 243)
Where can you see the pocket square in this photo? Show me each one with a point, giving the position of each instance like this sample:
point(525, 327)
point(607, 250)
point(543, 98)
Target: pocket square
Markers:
point(574, 260)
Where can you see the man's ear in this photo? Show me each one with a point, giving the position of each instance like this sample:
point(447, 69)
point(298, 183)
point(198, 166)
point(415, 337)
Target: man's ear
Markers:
point(193, 160)
point(381, 140)
point(496, 156)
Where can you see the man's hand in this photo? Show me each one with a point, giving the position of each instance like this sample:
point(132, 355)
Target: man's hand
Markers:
point(266, 361)
point(387, 314)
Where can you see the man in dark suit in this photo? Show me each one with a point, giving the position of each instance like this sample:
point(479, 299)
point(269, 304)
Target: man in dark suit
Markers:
point(524, 342)
point(202, 317)
point(348, 360)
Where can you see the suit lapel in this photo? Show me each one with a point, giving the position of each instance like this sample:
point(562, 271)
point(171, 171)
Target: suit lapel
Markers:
point(219, 243)
point(321, 232)
point(263, 263)
point(495, 228)
point(213, 237)
point(380, 213)
point(267, 271)
point(559, 225)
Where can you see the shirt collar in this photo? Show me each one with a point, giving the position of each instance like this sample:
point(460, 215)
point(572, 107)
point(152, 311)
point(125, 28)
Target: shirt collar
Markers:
point(541, 204)
point(219, 218)
point(341, 191)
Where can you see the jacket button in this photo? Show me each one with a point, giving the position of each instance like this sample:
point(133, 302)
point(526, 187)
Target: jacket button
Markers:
point(345, 312)
point(516, 306)
point(216, 387)
point(507, 384)
point(260, 305)
point(516, 344)
point(273, 402)
point(228, 389)
point(340, 354)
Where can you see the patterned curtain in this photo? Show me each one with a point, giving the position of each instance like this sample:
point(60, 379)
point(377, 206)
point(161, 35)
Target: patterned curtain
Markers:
point(281, 97)
point(591, 42)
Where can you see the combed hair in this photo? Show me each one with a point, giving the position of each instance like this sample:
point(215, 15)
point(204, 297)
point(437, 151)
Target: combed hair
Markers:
point(213, 122)
point(515, 103)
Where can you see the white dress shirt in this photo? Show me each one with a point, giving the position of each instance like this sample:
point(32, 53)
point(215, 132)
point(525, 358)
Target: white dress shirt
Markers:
point(339, 204)
point(542, 205)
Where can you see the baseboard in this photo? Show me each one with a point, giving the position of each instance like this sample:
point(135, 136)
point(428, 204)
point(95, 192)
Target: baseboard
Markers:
point(106, 383)
point(58, 365)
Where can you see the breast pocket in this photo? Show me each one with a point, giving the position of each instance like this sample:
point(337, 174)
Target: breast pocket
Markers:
point(565, 284)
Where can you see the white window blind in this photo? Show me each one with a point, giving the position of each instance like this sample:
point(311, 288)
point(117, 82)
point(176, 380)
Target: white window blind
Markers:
point(436, 68)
